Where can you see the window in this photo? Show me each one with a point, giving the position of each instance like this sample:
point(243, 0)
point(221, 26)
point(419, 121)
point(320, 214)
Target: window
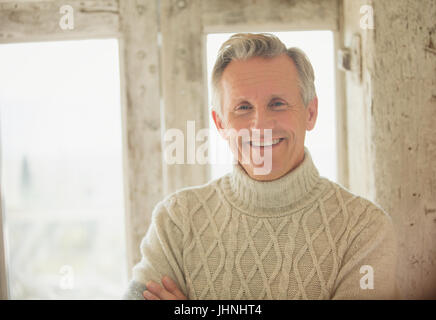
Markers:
point(61, 169)
point(321, 141)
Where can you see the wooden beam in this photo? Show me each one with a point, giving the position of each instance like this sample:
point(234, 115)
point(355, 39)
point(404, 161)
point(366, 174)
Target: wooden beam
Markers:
point(141, 118)
point(271, 15)
point(3, 269)
point(39, 21)
point(184, 83)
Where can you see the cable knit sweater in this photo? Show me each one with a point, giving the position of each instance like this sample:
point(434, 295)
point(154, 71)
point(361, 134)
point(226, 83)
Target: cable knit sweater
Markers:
point(298, 237)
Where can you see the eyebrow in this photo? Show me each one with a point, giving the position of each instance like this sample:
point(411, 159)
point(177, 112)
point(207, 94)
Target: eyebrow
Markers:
point(271, 97)
point(276, 96)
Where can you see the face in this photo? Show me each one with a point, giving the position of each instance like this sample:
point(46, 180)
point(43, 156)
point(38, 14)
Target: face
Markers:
point(259, 94)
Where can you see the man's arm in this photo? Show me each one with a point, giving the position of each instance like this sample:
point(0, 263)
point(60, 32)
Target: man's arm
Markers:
point(369, 266)
point(134, 291)
point(154, 291)
point(168, 291)
point(161, 251)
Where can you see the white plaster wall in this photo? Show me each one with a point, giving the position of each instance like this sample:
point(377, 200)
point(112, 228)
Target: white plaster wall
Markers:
point(391, 132)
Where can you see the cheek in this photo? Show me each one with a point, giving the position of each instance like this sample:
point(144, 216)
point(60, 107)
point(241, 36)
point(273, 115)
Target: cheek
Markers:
point(290, 126)
point(238, 124)
point(292, 123)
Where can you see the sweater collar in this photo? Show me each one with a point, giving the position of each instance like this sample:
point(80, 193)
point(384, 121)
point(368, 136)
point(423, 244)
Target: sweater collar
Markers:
point(266, 198)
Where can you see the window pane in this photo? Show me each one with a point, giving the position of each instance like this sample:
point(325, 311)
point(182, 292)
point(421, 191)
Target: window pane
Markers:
point(321, 141)
point(61, 167)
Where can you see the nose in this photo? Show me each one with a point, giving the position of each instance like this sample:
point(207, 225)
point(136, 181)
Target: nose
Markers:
point(262, 119)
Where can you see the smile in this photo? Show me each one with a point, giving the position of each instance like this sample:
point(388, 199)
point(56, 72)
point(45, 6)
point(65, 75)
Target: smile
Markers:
point(271, 143)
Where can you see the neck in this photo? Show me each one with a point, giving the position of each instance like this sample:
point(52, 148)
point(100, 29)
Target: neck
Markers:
point(273, 175)
point(266, 198)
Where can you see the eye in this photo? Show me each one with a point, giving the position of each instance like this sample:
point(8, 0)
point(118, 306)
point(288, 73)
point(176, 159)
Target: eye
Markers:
point(278, 104)
point(243, 107)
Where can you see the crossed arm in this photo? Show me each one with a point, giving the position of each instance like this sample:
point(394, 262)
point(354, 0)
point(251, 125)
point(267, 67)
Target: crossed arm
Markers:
point(169, 290)
point(159, 275)
point(371, 241)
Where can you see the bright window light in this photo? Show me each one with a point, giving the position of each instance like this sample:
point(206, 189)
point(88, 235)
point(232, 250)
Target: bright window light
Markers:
point(61, 169)
point(321, 141)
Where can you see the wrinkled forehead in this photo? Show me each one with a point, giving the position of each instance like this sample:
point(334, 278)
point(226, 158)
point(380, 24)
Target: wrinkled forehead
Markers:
point(259, 76)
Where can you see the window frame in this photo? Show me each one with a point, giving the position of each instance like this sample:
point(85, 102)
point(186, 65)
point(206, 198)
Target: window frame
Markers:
point(153, 52)
point(29, 21)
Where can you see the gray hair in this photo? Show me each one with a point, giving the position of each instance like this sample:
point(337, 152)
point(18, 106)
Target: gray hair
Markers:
point(242, 46)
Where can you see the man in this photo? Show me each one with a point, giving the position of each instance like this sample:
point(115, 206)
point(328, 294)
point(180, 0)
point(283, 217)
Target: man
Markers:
point(285, 233)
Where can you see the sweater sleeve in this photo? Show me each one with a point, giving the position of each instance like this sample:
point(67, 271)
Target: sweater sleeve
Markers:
point(134, 291)
point(161, 251)
point(369, 265)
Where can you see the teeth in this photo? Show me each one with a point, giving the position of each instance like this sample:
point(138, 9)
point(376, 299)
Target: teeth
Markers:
point(264, 143)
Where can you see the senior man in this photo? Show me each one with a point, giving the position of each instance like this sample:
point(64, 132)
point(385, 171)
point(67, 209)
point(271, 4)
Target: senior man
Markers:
point(285, 233)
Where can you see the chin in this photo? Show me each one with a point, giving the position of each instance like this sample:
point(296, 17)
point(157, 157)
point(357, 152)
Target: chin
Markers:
point(275, 173)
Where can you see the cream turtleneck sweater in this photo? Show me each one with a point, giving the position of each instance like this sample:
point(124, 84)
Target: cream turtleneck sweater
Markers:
point(298, 237)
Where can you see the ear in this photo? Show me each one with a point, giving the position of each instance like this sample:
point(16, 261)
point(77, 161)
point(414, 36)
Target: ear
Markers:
point(312, 114)
point(219, 124)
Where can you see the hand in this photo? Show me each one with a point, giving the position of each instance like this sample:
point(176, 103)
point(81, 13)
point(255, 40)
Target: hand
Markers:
point(170, 291)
